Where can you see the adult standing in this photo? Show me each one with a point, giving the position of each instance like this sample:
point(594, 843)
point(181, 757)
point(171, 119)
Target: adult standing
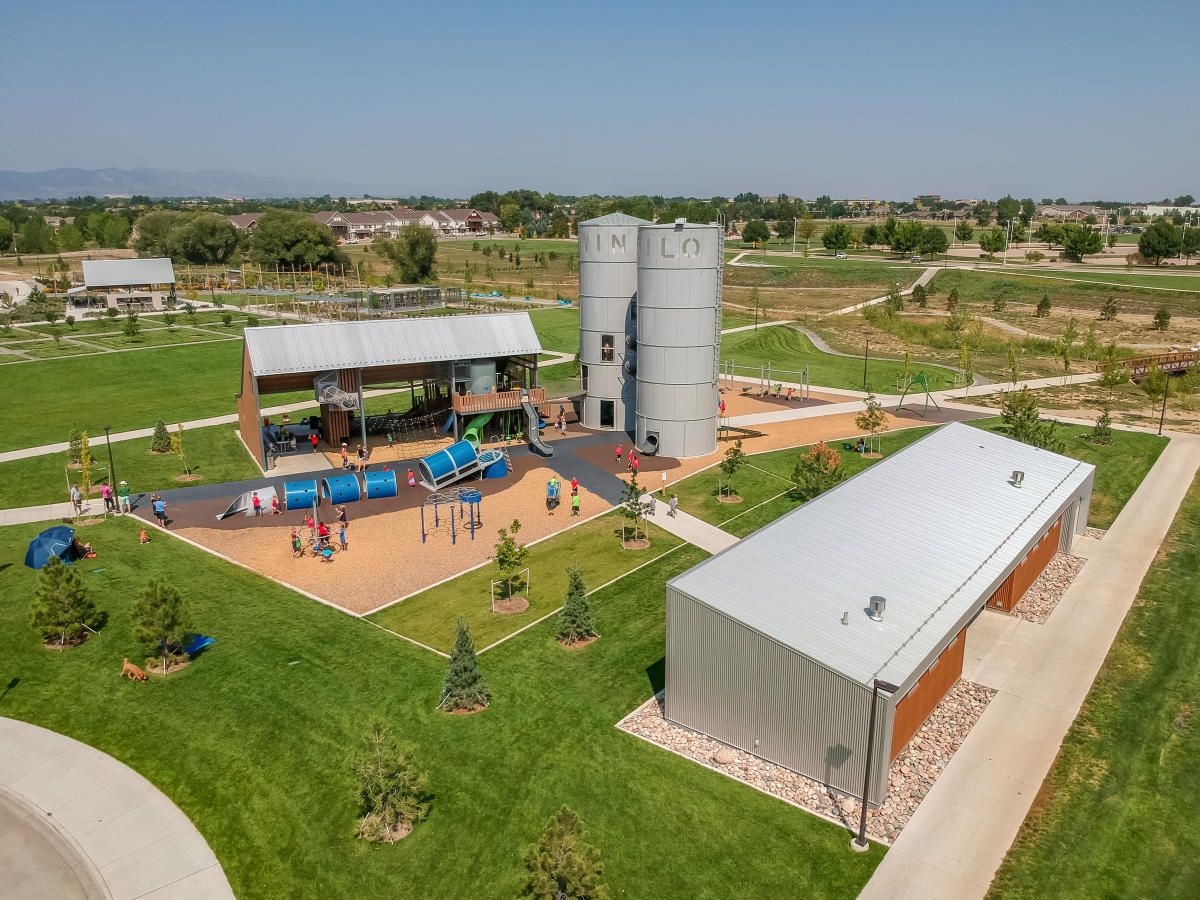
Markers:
point(123, 497)
point(160, 511)
point(107, 493)
point(362, 458)
point(76, 499)
point(673, 505)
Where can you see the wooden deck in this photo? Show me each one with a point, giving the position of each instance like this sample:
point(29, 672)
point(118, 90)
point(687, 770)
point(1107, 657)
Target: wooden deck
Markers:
point(472, 404)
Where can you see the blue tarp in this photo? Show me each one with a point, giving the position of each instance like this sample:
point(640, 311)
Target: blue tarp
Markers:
point(54, 541)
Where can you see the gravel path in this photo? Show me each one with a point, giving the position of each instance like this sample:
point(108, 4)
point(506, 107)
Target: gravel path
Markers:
point(910, 778)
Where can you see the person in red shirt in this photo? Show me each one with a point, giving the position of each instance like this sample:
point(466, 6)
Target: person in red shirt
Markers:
point(313, 437)
point(620, 449)
point(574, 484)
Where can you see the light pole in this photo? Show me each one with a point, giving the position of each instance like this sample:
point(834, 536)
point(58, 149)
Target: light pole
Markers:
point(1008, 241)
point(866, 351)
point(1163, 415)
point(860, 843)
point(112, 474)
point(795, 222)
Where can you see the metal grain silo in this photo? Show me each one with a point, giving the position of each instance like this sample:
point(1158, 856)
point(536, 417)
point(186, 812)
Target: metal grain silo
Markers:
point(679, 337)
point(607, 311)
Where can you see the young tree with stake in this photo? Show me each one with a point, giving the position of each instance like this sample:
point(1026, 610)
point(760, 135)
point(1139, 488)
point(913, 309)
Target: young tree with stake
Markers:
point(734, 459)
point(635, 505)
point(510, 556)
point(162, 620)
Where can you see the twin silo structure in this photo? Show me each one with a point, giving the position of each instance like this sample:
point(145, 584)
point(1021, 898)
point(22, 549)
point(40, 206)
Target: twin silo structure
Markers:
point(650, 331)
point(608, 284)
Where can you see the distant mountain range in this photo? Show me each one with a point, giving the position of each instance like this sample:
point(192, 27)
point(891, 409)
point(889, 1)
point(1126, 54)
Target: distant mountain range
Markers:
point(59, 183)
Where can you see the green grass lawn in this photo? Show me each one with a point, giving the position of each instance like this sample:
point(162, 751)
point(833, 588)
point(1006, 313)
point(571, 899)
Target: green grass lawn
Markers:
point(794, 271)
point(124, 390)
point(1116, 815)
point(160, 337)
point(1120, 467)
point(252, 741)
point(982, 287)
point(765, 487)
point(1142, 278)
point(52, 349)
point(558, 381)
point(214, 453)
point(789, 351)
point(594, 546)
point(557, 329)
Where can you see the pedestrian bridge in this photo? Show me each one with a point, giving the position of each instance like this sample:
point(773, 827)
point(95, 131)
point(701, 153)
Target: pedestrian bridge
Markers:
point(1138, 366)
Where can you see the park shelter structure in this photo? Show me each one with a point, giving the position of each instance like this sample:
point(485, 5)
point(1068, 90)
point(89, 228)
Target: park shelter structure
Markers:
point(456, 361)
point(774, 646)
point(130, 283)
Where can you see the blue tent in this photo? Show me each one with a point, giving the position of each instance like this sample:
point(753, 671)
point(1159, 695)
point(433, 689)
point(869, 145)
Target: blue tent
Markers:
point(54, 541)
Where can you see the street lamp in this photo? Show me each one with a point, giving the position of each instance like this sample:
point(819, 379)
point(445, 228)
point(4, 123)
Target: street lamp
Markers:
point(1008, 241)
point(859, 843)
point(112, 474)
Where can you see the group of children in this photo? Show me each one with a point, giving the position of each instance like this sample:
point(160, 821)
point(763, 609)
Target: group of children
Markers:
point(320, 535)
point(361, 455)
point(257, 502)
point(631, 458)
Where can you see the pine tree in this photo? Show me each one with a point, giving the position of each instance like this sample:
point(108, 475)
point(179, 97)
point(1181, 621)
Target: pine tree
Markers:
point(74, 444)
point(161, 442)
point(575, 621)
point(60, 607)
point(161, 620)
point(1108, 312)
point(562, 866)
point(1043, 307)
point(1102, 431)
point(463, 687)
point(391, 792)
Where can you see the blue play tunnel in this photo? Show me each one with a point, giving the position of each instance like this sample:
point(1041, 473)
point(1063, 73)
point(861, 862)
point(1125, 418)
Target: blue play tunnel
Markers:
point(300, 494)
point(341, 489)
point(380, 484)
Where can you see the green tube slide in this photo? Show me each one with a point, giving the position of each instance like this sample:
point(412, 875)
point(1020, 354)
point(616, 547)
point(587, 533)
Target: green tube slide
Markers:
point(472, 430)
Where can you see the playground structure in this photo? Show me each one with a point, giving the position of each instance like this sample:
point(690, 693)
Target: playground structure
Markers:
point(766, 374)
point(459, 461)
point(468, 502)
point(458, 360)
point(923, 382)
point(553, 494)
point(244, 504)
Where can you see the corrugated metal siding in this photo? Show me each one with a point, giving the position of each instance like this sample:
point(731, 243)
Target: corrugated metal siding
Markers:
point(1066, 535)
point(739, 686)
point(279, 349)
point(934, 529)
point(127, 272)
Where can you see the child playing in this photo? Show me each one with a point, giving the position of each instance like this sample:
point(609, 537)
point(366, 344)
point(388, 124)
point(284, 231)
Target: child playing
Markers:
point(143, 537)
point(620, 450)
point(342, 535)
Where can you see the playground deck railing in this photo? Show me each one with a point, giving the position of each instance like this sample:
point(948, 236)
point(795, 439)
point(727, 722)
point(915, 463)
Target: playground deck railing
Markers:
point(471, 404)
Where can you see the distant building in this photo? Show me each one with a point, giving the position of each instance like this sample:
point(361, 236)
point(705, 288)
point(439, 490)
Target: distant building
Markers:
point(927, 199)
point(57, 222)
point(366, 226)
point(1154, 209)
point(1068, 212)
point(130, 283)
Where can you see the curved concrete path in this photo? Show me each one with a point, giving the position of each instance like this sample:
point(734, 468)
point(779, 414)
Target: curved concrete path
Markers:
point(77, 823)
point(820, 344)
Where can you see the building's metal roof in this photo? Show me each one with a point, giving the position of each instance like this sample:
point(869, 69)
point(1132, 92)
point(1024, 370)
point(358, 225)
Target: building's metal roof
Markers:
point(127, 272)
point(615, 219)
point(930, 529)
point(279, 349)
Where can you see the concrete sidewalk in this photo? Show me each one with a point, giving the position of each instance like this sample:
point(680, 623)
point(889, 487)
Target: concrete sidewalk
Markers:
point(693, 530)
point(116, 835)
point(962, 830)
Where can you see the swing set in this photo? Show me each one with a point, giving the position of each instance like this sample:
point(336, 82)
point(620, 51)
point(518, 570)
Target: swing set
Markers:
point(929, 398)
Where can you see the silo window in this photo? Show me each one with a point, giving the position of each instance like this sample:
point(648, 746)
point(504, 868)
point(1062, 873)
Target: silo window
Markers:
point(606, 348)
point(607, 414)
point(583, 374)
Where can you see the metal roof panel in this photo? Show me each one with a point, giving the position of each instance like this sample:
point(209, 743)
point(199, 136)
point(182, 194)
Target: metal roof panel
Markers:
point(127, 272)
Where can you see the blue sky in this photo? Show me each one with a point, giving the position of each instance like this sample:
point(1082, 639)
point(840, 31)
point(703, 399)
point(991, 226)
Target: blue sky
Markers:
point(1088, 100)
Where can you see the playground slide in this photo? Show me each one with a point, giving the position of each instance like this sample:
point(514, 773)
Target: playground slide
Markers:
point(535, 439)
point(473, 428)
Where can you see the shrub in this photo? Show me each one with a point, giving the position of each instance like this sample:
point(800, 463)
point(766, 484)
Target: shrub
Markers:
point(1034, 255)
point(1043, 307)
point(74, 444)
point(392, 793)
point(575, 621)
point(1101, 433)
point(1020, 412)
point(227, 318)
point(251, 321)
point(463, 686)
point(999, 303)
point(817, 471)
point(1108, 312)
point(1162, 318)
point(131, 327)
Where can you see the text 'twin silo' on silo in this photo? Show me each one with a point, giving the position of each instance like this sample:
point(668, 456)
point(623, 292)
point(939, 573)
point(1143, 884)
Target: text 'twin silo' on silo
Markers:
point(607, 311)
point(679, 337)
